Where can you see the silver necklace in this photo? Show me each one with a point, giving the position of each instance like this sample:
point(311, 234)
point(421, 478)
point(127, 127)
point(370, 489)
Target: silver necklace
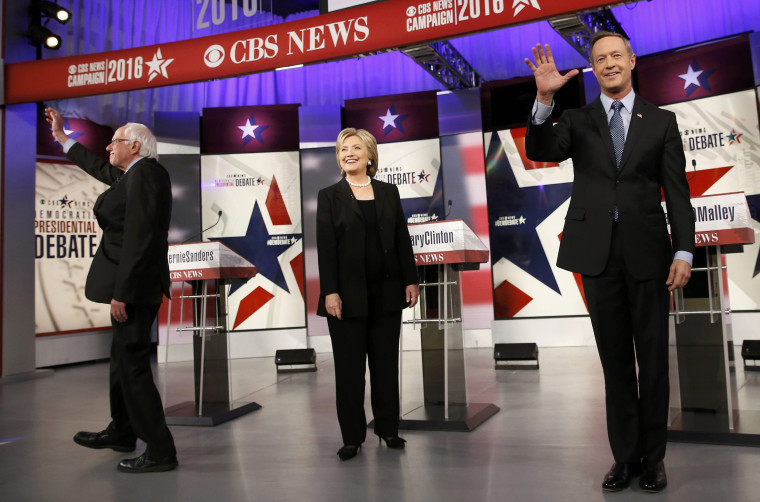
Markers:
point(369, 180)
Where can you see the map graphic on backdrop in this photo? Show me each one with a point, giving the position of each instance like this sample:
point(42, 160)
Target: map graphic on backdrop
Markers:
point(66, 237)
point(259, 195)
point(721, 135)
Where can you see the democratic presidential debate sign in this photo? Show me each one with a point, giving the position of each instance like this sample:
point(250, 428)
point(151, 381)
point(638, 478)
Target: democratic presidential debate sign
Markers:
point(335, 35)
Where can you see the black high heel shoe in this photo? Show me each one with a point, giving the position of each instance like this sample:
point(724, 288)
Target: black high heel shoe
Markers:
point(396, 442)
point(348, 451)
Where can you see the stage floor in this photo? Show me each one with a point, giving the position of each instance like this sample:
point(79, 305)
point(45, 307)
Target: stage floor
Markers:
point(547, 443)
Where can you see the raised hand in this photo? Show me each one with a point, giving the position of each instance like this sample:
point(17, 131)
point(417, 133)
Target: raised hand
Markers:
point(56, 123)
point(548, 79)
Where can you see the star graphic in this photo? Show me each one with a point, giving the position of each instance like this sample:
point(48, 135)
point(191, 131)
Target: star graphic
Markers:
point(695, 77)
point(423, 177)
point(734, 137)
point(251, 130)
point(519, 5)
point(520, 244)
point(158, 66)
point(392, 120)
point(254, 247)
point(65, 202)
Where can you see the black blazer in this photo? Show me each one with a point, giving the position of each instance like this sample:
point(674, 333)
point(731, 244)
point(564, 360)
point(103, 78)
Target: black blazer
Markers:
point(130, 264)
point(340, 246)
point(653, 160)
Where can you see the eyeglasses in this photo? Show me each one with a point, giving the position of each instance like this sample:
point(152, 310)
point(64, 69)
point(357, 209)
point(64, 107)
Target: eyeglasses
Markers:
point(116, 140)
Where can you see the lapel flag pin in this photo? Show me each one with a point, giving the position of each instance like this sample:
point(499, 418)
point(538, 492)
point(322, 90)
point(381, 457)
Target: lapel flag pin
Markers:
point(639, 115)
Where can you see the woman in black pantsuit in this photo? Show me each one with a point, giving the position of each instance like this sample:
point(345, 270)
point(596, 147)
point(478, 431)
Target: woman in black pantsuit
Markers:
point(367, 276)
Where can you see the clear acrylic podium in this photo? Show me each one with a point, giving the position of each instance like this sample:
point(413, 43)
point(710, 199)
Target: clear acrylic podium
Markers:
point(443, 250)
point(208, 267)
point(704, 400)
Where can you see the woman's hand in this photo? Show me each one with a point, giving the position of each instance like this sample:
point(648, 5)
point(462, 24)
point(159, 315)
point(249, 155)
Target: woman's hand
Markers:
point(334, 305)
point(412, 294)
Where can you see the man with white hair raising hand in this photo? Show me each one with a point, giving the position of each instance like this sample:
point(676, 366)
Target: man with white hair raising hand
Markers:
point(130, 272)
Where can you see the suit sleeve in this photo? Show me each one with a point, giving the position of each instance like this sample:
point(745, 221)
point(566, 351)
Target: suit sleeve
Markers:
point(146, 206)
point(404, 244)
point(92, 164)
point(676, 189)
point(327, 246)
point(549, 143)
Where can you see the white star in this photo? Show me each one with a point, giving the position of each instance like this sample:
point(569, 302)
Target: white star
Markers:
point(389, 120)
point(521, 220)
point(521, 4)
point(248, 129)
point(690, 77)
point(158, 65)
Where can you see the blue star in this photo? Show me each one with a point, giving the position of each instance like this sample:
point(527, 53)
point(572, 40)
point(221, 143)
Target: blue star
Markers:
point(392, 120)
point(422, 176)
point(65, 202)
point(254, 247)
point(251, 130)
point(520, 244)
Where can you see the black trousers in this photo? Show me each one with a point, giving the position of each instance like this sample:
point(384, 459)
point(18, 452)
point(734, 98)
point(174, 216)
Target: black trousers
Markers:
point(355, 341)
point(630, 322)
point(136, 409)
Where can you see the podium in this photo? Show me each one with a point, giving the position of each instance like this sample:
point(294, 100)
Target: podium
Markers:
point(442, 251)
point(705, 408)
point(208, 267)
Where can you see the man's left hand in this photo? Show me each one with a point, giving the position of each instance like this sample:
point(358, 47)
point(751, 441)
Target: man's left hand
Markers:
point(680, 272)
point(119, 311)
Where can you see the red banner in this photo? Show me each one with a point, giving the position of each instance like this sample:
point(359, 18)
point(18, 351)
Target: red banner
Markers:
point(336, 35)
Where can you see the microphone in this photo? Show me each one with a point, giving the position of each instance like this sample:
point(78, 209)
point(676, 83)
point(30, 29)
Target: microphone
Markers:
point(205, 229)
point(694, 167)
point(448, 210)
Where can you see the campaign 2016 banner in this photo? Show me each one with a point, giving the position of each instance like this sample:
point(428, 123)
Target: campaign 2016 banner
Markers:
point(721, 142)
point(527, 203)
point(359, 30)
point(256, 198)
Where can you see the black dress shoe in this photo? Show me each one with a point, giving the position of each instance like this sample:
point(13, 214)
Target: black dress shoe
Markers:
point(619, 476)
point(144, 463)
point(653, 478)
point(104, 439)
point(348, 451)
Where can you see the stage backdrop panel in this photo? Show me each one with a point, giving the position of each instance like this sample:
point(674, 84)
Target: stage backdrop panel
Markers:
point(259, 196)
point(66, 232)
point(527, 203)
point(406, 129)
point(721, 140)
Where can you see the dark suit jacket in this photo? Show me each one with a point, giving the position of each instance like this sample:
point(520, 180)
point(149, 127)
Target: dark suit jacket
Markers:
point(130, 264)
point(340, 245)
point(652, 160)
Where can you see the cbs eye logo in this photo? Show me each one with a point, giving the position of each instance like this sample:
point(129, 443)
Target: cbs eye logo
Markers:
point(214, 56)
point(410, 11)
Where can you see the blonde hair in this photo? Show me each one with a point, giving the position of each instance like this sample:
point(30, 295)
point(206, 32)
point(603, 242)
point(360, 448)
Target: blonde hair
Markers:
point(369, 142)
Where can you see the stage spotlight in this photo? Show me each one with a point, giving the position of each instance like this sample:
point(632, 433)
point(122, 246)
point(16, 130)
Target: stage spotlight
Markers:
point(41, 36)
point(53, 11)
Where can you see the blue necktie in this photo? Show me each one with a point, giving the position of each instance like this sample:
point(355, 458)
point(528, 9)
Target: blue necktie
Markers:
point(617, 130)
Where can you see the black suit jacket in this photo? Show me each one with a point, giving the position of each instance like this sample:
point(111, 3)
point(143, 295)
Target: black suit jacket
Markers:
point(652, 161)
point(130, 264)
point(340, 245)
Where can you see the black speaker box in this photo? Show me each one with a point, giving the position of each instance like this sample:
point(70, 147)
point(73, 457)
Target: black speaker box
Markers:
point(520, 356)
point(751, 352)
point(296, 357)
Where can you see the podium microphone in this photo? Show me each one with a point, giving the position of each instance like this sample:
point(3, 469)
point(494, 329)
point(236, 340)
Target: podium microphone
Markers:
point(448, 209)
point(205, 229)
point(694, 167)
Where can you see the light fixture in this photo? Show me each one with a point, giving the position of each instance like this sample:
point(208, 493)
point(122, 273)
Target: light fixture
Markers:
point(41, 36)
point(53, 11)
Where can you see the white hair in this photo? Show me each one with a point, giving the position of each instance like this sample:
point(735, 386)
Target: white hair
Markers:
point(139, 132)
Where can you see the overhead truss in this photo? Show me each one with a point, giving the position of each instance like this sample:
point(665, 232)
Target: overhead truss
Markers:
point(445, 64)
point(577, 29)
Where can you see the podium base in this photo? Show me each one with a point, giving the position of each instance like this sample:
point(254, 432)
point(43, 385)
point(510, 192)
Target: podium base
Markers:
point(695, 427)
point(431, 417)
point(213, 414)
